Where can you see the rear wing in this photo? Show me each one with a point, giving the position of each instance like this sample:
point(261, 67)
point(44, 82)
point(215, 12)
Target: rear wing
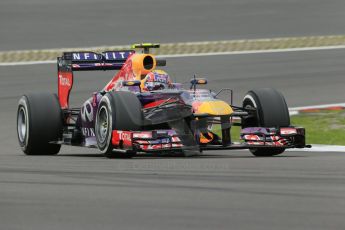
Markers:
point(85, 61)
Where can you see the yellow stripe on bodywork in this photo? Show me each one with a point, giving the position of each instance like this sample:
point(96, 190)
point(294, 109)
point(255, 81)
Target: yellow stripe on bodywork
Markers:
point(212, 108)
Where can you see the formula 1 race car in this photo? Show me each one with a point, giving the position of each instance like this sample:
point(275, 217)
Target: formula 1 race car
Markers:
point(142, 110)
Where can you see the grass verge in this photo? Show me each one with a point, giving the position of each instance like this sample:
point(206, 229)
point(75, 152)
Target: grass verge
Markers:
point(324, 127)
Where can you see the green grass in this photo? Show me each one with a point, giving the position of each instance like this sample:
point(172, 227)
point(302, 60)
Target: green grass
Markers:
point(325, 127)
point(235, 132)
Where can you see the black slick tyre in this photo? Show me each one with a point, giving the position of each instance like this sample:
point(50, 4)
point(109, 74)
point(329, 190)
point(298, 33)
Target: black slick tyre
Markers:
point(117, 111)
point(271, 111)
point(39, 122)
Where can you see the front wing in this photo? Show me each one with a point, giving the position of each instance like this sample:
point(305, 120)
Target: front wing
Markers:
point(169, 140)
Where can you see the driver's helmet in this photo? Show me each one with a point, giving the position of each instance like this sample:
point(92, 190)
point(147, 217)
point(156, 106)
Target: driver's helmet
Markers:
point(156, 80)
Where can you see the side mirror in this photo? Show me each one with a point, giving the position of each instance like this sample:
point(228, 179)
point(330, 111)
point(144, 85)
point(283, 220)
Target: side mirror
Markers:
point(198, 81)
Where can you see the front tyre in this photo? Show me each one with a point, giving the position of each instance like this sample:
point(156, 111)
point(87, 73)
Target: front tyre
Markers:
point(271, 111)
point(39, 122)
point(117, 111)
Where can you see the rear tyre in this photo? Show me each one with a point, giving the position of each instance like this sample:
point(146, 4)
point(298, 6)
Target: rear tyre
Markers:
point(271, 111)
point(39, 122)
point(117, 111)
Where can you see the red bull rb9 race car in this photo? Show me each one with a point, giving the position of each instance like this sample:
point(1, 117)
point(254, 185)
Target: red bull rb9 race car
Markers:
point(142, 111)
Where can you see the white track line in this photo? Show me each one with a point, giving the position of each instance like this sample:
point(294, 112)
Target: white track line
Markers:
point(255, 51)
point(317, 106)
point(27, 63)
point(200, 54)
point(295, 110)
point(321, 148)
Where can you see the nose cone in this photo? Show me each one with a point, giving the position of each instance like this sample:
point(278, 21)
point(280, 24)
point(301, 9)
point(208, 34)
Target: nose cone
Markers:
point(212, 108)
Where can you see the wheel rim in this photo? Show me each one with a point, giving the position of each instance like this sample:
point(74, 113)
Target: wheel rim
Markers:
point(103, 123)
point(22, 124)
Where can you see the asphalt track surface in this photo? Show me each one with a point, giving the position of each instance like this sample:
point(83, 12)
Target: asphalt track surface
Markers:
point(39, 24)
point(80, 189)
